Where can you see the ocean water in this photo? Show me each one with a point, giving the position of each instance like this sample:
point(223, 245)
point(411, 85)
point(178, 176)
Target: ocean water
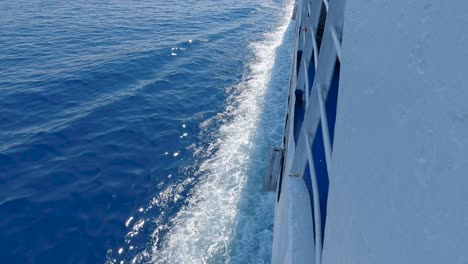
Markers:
point(137, 131)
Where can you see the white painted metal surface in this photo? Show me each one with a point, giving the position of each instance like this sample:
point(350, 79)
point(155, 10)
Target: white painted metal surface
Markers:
point(295, 240)
point(399, 174)
point(398, 167)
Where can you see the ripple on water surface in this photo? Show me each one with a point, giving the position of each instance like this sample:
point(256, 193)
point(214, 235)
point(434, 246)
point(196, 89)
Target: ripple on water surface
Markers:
point(118, 117)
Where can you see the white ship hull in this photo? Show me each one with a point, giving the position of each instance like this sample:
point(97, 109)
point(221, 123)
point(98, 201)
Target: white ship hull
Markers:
point(376, 135)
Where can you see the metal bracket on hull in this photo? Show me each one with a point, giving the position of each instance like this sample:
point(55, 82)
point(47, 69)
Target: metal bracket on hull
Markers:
point(274, 170)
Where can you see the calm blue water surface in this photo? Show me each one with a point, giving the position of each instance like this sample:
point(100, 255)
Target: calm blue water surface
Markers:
point(107, 105)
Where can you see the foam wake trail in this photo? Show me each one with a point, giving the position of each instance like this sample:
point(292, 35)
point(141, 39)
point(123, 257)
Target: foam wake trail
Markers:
point(229, 218)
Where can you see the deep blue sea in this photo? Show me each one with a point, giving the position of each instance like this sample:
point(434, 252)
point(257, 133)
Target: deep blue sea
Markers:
point(138, 131)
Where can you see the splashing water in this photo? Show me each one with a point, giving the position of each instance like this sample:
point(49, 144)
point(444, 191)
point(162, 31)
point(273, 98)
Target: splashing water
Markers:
point(229, 218)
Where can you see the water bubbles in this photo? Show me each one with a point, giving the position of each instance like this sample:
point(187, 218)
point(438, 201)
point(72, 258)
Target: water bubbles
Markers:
point(127, 223)
point(219, 205)
point(136, 228)
point(173, 50)
point(176, 154)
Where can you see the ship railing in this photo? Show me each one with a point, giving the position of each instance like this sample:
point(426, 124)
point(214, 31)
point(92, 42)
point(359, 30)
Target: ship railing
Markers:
point(324, 62)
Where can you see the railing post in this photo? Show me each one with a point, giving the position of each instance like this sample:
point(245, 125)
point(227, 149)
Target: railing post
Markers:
point(316, 201)
point(325, 131)
point(336, 42)
point(325, 2)
point(306, 76)
point(315, 47)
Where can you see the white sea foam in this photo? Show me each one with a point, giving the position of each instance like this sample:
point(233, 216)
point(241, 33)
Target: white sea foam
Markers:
point(229, 218)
